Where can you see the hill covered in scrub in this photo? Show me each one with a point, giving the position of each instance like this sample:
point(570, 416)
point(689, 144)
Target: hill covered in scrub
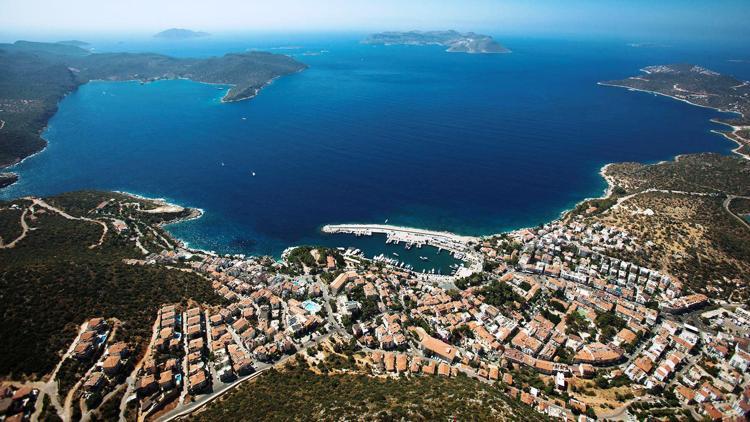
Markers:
point(62, 262)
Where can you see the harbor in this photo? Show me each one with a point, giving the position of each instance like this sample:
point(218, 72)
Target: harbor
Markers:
point(434, 254)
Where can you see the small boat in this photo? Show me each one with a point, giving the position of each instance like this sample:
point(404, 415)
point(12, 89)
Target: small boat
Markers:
point(423, 258)
point(222, 164)
point(395, 254)
point(244, 118)
point(253, 174)
point(386, 221)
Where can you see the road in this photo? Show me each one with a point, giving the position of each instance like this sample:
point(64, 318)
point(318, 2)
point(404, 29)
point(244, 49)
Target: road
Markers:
point(132, 378)
point(67, 216)
point(24, 231)
point(728, 201)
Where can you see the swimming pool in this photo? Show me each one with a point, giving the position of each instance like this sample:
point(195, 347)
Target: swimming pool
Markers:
point(311, 306)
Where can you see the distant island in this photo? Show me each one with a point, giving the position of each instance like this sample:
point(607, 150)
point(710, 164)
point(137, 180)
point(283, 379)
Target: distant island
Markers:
point(180, 34)
point(455, 41)
point(74, 43)
point(702, 87)
point(36, 76)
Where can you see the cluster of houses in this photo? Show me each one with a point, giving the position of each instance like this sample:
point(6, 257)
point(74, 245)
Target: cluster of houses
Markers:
point(231, 360)
point(160, 378)
point(404, 363)
point(577, 281)
point(91, 340)
point(713, 377)
point(110, 371)
point(196, 350)
point(576, 252)
point(566, 309)
point(17, 403)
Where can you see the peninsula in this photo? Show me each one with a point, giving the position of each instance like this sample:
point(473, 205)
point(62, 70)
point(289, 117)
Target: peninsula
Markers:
point(702, 87)
point(36, 76)
point(455, 41)
point(180, 34)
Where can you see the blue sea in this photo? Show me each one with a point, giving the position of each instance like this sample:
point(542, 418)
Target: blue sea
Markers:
point(474, 144)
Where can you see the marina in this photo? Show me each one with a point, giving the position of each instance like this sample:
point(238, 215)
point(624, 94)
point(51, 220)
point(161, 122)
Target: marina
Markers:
point(417, 250)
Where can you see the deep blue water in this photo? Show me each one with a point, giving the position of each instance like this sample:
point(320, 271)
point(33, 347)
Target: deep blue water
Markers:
point(474, 144)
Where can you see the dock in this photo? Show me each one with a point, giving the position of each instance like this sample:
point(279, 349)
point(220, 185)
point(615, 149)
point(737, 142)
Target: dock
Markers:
point(460, 246)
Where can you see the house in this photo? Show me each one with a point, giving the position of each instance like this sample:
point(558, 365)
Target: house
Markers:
point(243, 366)
point(166, 379)
point(111, 365)
point(598, 354)
point(625, 337)
point(436, 347)
point(83, 350)
point(146, 385)
point(390, 362)
point(444, 369)
point(740, 359)
point(94, 382)
point(342, 279)
point(684, 394)
point(119, 349)
point(401, 363)
point(96, 324)
point(198, 382)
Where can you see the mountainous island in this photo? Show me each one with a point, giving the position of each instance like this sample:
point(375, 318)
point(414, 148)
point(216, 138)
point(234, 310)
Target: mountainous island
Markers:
point(702, 87)
point(455, 41)
point(34, 77)
point(180, 34)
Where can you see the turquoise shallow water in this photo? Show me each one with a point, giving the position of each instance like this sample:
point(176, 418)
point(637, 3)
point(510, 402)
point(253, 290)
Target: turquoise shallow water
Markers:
point(474, 144)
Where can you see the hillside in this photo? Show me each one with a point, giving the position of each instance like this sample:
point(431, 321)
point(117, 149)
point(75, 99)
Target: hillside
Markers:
point(298, 393)
point(59, 267)
point(699, 86)
point(683, 214)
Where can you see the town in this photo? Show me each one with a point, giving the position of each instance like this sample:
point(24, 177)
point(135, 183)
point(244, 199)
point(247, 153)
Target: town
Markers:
point(547, 314)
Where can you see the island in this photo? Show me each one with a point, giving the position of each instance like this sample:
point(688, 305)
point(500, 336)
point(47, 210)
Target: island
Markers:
point(180, 34)
point(455, 41)
point(36, 76)
point(699, 86)
point(74, 43)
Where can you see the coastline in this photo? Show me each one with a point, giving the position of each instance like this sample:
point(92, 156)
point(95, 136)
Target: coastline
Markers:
point(257, 90)
point(194, 214)
point(608, 191)
point(734, 131)
point(142, 81)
